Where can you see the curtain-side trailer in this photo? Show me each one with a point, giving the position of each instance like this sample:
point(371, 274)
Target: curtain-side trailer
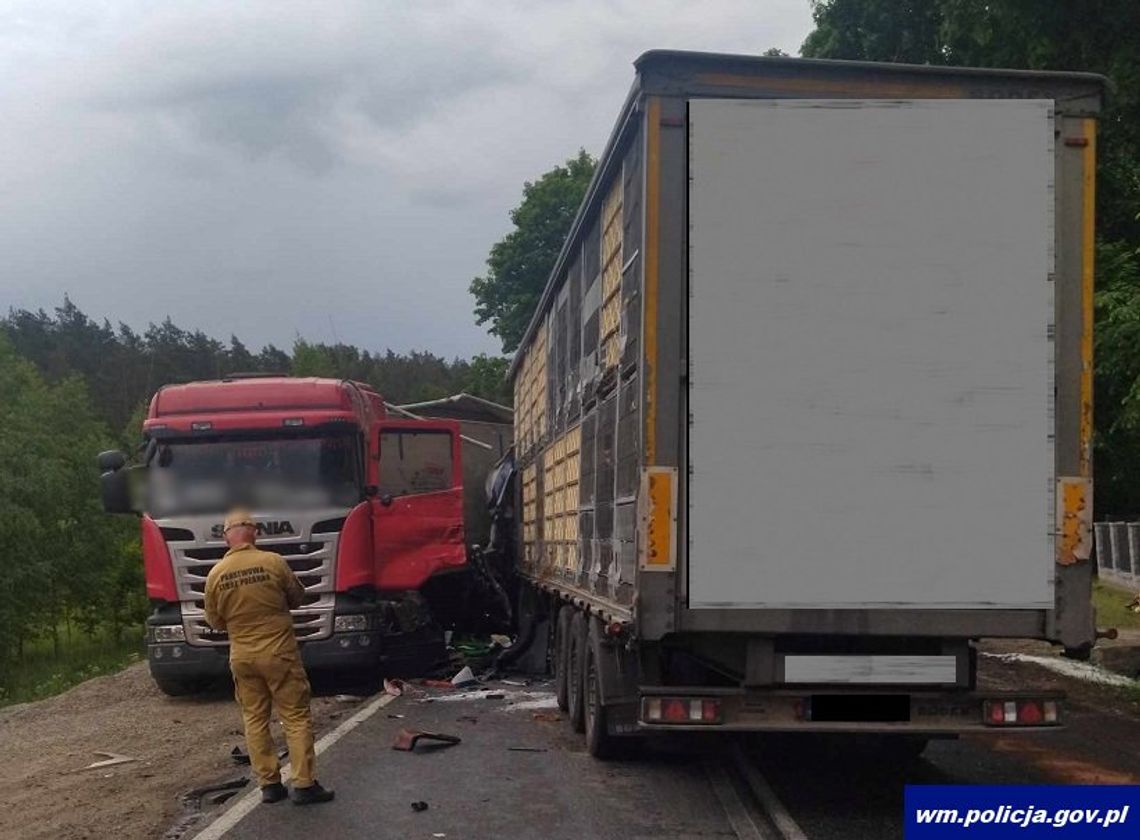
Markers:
point(806, 406)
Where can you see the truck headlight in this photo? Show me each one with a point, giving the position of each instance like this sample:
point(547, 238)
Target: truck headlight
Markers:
point(350, 624)
point(163, 633)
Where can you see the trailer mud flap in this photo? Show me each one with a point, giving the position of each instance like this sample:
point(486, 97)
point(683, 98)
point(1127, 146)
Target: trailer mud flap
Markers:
point(617, 670)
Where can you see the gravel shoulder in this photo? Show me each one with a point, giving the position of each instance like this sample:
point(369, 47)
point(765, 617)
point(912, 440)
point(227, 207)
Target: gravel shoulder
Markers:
point(178, 744)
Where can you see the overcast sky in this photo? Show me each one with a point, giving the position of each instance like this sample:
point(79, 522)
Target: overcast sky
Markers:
point(337, 170)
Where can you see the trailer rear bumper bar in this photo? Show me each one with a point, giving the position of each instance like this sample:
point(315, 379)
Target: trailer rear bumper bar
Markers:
point(875, 709)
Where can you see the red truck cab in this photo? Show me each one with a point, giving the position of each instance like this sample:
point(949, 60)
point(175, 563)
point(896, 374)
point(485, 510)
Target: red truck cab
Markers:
point(364, 508)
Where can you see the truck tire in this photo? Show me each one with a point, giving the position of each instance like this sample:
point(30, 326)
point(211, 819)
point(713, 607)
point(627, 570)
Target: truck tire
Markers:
point(599, 742)
point(576, 672)
point(562, 657)
point(178, 688)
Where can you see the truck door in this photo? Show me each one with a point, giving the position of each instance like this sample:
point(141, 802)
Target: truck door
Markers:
point(418, 509)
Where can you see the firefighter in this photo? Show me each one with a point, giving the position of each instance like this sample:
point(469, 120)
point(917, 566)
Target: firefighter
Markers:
point(249, 594)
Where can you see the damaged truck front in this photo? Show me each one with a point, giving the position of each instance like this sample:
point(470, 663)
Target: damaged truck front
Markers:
point(366, 507)
point(805, 408)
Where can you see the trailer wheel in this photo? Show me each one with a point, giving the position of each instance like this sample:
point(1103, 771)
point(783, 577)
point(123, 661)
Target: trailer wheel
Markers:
point(599, 742)
point(562, 657)
point(577, 659)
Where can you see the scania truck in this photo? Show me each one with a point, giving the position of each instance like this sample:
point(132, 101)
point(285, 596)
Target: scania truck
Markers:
point(365, 505)
point(805, 408)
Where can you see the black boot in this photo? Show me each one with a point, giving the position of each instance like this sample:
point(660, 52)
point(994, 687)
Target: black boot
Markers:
point(312, 795)
point(273, 793)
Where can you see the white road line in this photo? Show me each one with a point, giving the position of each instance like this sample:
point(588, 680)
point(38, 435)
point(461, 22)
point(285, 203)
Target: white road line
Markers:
point(777, 813)
point(738, 816)
point(240, 809)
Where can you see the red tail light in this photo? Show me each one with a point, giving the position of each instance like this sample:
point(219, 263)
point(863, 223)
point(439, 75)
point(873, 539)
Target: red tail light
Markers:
point(690, 710)
point(675, 711)
point(1028, 712)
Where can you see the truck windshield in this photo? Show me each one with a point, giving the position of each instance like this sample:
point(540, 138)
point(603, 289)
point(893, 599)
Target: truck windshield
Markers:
point(210, 476)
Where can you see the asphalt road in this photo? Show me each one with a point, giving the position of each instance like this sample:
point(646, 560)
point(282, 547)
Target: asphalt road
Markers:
point(482, 788)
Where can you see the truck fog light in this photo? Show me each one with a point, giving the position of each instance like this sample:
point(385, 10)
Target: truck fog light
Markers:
point(176, 653)
point(365, 641)
point(157, 652)
point(350, 624)
point(344, 643)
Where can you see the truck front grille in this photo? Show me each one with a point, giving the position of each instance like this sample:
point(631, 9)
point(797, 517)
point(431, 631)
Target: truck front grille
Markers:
point(312, 560)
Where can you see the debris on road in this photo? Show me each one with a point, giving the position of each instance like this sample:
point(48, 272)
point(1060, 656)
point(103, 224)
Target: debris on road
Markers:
point(546, 717)
point(438, 683)
point(526, 749)
point(467, 719)
point(419, 807)
point(465, 678)
point(110, 759)
point(516, 683)
point(1067, 667)
point(240, 756)
point(348, 698)
point(406, 739)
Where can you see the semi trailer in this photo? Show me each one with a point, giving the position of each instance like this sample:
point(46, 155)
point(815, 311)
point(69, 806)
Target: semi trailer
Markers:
point(805, 408)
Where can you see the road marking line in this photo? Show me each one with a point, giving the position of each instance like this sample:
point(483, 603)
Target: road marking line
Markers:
point(738, 817)
point(771, 804)
point(240, 809)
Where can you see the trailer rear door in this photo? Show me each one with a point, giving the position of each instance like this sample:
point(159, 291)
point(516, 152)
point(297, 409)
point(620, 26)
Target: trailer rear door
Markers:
point(871, 359)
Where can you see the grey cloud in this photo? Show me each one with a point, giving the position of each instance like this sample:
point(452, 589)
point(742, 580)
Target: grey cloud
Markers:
point(334, 169)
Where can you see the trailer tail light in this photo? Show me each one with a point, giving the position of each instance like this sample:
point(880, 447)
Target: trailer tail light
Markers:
point(1021, 712)
point(690, 710)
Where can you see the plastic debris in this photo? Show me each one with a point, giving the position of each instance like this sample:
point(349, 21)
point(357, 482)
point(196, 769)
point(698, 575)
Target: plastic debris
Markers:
point(516, 683)
point(546, 717)
point(464, 678)
point(110, 759)
point(438, 684)
point(419, 807)
point(348, 698)
point(500, 640)
point(394, 687)
point(406, 739)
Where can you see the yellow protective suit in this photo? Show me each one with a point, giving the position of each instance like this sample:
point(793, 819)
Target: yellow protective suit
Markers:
point(249, 594)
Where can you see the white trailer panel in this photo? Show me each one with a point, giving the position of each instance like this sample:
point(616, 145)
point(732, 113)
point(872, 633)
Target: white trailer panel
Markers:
point(871, 354)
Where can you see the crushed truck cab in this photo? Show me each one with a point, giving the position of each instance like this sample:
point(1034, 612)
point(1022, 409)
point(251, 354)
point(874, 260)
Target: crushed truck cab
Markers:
point(366, 509)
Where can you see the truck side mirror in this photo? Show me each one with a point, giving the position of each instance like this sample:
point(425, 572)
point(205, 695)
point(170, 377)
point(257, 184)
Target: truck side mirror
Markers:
point(111, 461)
point(114, 487)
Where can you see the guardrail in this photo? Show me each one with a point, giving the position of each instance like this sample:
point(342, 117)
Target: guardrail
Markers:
point(1118, 551)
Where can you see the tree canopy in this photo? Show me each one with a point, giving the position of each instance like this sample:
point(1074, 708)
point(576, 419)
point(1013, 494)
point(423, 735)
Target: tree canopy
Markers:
point(521, 262)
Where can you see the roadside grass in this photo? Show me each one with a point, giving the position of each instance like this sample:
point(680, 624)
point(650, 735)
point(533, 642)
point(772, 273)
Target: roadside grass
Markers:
point(40, 673)
point(1111, 604)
